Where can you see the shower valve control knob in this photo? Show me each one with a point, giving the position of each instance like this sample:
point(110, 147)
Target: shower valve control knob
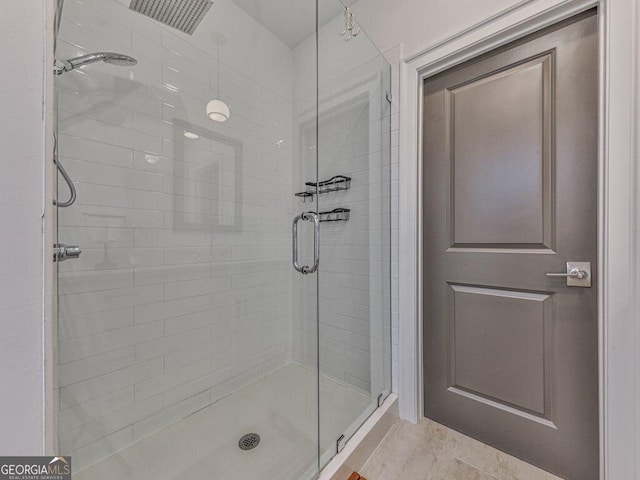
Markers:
point(64, 252)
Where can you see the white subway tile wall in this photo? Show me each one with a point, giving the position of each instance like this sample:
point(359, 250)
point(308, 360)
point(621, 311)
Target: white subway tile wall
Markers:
point(184, 291)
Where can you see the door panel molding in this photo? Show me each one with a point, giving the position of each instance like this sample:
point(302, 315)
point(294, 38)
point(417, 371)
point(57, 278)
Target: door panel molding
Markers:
point(472, 316)
point(502, 406)
point(619, 184)
point(469, 216)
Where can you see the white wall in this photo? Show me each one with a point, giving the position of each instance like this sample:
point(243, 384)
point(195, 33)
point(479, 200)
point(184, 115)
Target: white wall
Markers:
point(419, 24)
point(22, 138)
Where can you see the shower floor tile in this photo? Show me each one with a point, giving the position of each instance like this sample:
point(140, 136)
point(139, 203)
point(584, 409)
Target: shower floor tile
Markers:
point(281, 407)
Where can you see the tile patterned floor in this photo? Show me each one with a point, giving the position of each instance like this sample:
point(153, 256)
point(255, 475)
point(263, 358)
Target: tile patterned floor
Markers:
point(430, 451)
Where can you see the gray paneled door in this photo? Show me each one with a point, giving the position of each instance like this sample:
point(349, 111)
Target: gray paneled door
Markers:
point(510, 194)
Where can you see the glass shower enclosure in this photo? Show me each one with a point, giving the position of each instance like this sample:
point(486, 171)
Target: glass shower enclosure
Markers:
point(228, 316)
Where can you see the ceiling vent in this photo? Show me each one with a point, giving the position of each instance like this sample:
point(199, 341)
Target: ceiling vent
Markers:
point(183, 15)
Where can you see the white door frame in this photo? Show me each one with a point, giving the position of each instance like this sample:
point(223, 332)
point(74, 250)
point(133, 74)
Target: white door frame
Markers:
point(618, 208)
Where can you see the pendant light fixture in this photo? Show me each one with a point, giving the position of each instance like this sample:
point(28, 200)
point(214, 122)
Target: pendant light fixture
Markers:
point(217, 109)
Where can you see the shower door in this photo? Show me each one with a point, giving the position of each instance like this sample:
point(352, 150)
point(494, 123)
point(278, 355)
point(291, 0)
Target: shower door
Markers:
point(187, 343)
point(354, 292)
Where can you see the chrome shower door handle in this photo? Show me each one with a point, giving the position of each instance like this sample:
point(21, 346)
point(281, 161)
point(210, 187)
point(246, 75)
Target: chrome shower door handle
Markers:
point(316, 240)
point(307, 216)
point(294, 241)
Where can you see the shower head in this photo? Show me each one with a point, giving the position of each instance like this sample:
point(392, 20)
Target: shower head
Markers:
point(107, 57)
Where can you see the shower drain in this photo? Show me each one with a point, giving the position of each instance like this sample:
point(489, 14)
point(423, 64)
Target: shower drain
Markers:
point(249, 441)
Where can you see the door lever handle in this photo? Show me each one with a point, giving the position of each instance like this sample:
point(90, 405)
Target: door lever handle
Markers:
point(578, 274)
point(574, 273)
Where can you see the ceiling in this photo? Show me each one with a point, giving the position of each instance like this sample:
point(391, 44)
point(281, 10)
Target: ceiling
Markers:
point(292, 21)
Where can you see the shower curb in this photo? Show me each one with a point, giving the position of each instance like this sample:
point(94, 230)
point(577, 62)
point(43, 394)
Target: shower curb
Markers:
point(363, 443)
